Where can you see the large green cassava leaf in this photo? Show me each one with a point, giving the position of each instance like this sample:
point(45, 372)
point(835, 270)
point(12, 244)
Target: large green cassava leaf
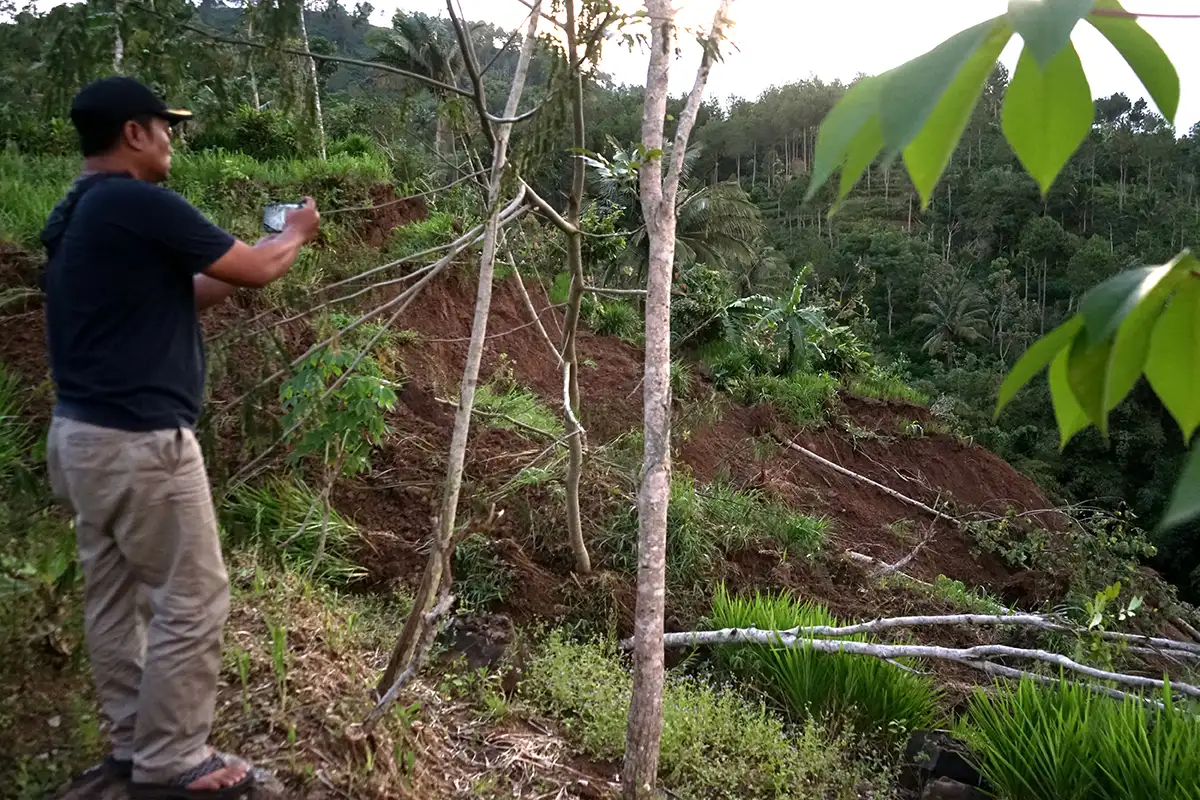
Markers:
point(863, 149)
point(913, 90)
point(1041, 353)
point(1046, 25)
point(929, 152)
point(1173, 365)
point(1106, 305)
point(1070, 416)
point(1185, 500)
point(840, 129)
point(1047, 113)
point(1143, 54)
point(1087, 365)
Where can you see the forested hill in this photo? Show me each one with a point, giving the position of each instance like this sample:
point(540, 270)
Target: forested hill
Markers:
point(944, 298)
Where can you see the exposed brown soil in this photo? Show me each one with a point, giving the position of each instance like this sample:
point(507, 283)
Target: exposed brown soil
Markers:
point(389, 213)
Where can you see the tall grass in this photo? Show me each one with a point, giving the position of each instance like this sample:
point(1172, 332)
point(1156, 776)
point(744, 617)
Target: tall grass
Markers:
point(1062, 742)
point(715, 744)
point(706, 522)
point(876, 698)
point(885, 386)
point(512, 407)
point(285, 518)
point(803, 397)
point(16, 437)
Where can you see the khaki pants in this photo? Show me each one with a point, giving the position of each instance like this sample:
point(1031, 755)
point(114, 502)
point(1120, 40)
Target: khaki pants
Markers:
point(146, 531)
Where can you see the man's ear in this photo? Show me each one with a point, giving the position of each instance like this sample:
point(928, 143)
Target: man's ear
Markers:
point(136, 135)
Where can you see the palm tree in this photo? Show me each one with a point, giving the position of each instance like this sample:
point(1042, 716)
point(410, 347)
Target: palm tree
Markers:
point(956, 314)
point(416, 43)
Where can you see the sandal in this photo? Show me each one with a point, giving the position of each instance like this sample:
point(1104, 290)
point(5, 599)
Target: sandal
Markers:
point(176, 788)
point(108, 771)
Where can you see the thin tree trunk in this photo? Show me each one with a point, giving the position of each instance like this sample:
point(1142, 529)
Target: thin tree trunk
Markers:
point(316, 87)
point(583, 563)
point(645, 724)
point(250, 56)
point(118, 39)
point(437, 565)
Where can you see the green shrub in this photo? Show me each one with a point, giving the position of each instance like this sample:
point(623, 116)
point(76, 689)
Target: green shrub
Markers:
point(614, 318)
point(1063, 742)
point(704, 523)
point(804, 398)
point(285, 518)
point(264, 134)
point(876, 698)
point(715, 744)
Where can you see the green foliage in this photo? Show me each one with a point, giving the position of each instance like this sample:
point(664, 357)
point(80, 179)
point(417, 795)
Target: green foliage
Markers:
point(481, 577)
point(509, 407)
point(715, 744)
point(613, 318)
point(885, 385)
point(801, 397)
point(421, 235)
point(1066, 743)
point(285, 518)
point(872, 696)
point(264, 135)
point(922, 108)
point(705, 523)
point(341, 425)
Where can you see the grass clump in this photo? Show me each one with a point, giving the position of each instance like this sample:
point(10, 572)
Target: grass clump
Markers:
point(874, 697)
point(715, 744)
point(802, 397)
point(885, 386)
point(512, 408)
point(1063, 742)
point(285, 518)
point(706, 522)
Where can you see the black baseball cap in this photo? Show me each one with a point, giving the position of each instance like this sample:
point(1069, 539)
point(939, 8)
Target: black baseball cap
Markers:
point(119, 99)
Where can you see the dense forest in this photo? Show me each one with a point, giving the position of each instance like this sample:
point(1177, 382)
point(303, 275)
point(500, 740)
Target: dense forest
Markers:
point(872, 342)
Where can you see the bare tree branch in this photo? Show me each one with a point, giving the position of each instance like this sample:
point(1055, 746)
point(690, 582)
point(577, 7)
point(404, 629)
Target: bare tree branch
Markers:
point(479, 96)
point(965, 655)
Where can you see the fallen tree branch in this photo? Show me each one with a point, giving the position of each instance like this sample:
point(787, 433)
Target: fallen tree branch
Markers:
point(863, 479)
point(965, 655)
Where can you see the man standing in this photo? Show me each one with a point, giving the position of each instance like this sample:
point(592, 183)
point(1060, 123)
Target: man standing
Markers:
point(129, 265)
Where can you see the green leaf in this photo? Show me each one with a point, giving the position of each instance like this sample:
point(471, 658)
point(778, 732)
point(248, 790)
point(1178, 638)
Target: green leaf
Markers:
point(840, 128)
point(1185, 500)
point(928, 154)
point(1087, 368)
point(1105, 306)
point(1067, 411)
point(912, 90)
point(863, 149)
point(1173, 365)
point(1041, 353)
point(1132, 342)
point(1047, 113)
point(1143, 54)
point(1046, 25)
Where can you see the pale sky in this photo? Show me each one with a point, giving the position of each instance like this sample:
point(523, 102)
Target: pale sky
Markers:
point(781, 41)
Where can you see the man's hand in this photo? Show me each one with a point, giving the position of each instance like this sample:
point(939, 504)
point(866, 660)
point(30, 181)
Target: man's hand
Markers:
point(304, 221)
point(272, 256)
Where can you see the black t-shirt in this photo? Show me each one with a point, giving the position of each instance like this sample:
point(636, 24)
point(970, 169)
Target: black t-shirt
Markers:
point(126, 349)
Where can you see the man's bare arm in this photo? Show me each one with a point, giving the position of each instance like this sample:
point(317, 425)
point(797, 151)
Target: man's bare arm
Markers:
point(210, 291)
point(272, 257)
